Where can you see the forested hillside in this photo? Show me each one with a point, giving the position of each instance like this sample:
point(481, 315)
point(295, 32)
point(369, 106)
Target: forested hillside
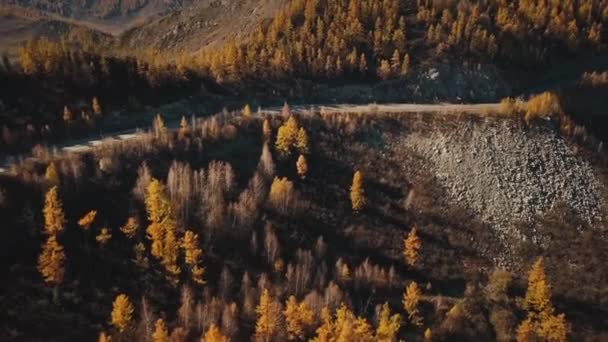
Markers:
point(322, 227)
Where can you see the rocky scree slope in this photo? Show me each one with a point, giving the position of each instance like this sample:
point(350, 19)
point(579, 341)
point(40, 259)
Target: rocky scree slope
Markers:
point(509, 175)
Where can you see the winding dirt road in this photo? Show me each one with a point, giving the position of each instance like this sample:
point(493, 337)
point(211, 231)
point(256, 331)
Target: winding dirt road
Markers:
point(83, 145)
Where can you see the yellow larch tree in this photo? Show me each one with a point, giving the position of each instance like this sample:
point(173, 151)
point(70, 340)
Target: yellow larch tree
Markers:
point(388, 325)
point(325, 332)
point(130, 227)
point(302, 166)
point(87, 220)
point(192, 256)
point(169, 256)
point(122, 312)
point(51, 264)
point(357, 193)
point(214, 334)
point(158, 208)
point(538, 294)
point(283, 143)
point(410, 301)
point(54, 217)
point(347, 327)
point(526, 331)
point(287, 137)
point(103, 237)
point(541, 323)
point(411, 247)
point(268, 317)
point(362, 331)
point(301, 143)
point(428, 334)
point(282, 194)
point(51, 175)
point(246, 111)
point(298, 317)
point(161, 333)
point(103, 337)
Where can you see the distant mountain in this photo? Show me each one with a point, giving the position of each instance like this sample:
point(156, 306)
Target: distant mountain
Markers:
point(206, 23)
point(101, 9)
point(174, 25)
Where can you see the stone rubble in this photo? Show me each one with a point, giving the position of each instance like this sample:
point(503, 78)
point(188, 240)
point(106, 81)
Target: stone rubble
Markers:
point(508, 175)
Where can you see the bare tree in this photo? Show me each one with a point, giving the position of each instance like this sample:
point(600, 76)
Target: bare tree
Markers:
point(253, 243)
point(230, 320)
point(179, 184)
point(186, 308)
point(266, 164)
point(300, 275)
point(146, 321)
point(225, 284)
point(271, 244)
point(320, 248)
point(141, 184)
point(333, 296)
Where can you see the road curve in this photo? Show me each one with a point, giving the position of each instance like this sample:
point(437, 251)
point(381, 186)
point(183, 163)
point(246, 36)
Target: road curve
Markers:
point(86, 144)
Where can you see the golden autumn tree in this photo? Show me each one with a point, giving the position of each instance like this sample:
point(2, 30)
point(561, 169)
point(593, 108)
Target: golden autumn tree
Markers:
point(161, 333)
point(54, 217)
point(298, 317)
point(302, 166)
point(357, 193)
point(268, 317)
point(287, 137)
point(159, 210)
point(51, 264)
point(538, 294)
point(122, 313)
point(301, 143)
point(192, 256)
point(325, 332)
point(345, 327)
point(51, 175)
point(410, 301)
point(428, 334)
point(103, 337)
point(411, 247)
point(130, 227)
point(526, 331)
point(86, 221)
point(541, 323)
point(214, 334)
point(246, 111)
point(388, 325)
point(170, 254)
point(283, 142)
point(103, 237)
